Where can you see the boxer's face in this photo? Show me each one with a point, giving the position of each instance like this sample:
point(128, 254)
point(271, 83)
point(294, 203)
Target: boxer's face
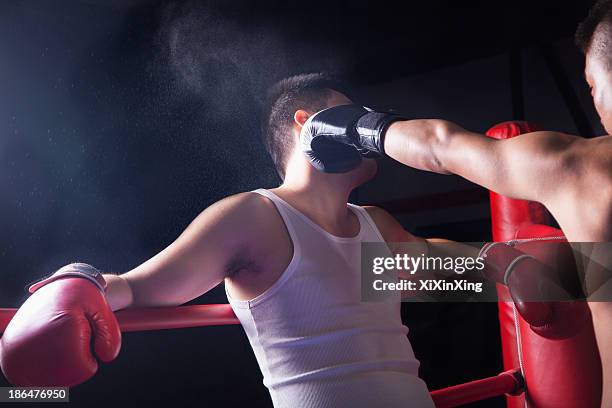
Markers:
point(368, 167)
point(599, 77)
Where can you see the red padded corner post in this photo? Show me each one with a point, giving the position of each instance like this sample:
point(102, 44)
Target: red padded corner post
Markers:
point(558, 373)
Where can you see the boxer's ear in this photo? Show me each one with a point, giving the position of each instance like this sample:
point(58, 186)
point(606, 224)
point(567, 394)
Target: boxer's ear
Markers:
point(300, 117)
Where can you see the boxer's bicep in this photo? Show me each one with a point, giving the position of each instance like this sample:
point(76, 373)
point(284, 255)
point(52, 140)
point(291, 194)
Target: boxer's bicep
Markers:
point(474, 157)
point(196, 261)
point(525, 167)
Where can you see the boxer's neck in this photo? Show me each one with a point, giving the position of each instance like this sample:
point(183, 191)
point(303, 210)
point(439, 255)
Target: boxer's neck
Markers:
point(324, 195)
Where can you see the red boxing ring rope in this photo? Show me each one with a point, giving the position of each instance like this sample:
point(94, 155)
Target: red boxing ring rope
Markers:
point(159, 318)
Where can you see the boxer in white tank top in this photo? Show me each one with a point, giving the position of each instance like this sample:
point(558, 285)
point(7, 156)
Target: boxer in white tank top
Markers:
point(316, 342)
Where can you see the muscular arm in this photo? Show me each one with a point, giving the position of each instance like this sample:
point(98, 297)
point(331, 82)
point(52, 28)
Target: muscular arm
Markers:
point(504, 166)
point(193, 264)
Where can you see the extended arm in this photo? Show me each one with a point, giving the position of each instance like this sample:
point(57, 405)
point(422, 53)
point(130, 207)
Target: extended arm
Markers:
point(73, 306)
point(504, 166)
point(336, 139)
point(192, 265)
point(536, 288)
point(398, 239)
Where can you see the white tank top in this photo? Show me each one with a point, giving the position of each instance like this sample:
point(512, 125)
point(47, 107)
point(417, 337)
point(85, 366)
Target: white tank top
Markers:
point(317, 344)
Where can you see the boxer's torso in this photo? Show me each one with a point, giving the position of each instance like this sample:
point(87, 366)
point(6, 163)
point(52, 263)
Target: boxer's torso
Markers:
point(316, 342)
point(583, 207)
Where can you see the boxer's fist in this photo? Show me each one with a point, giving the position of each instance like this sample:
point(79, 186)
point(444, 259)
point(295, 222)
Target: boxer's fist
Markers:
point(58, 334)
point(542, 280)
point(336, 139)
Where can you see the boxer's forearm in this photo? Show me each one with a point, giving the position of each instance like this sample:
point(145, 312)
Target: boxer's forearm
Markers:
point(439, 247)
point(118, 292)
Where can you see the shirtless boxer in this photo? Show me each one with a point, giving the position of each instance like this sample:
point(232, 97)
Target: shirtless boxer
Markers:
point(570, 175)
point(290, 260)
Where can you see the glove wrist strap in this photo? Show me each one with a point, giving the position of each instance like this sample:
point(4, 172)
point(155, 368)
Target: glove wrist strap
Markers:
point(77, 270)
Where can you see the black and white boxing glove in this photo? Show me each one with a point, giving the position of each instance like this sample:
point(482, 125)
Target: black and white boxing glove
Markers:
point(336, 139)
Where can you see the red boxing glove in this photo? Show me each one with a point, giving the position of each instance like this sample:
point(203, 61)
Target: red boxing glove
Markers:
point(540, 285)
point(58, 334)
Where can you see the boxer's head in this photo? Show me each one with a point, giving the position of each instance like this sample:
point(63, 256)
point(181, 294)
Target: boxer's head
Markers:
point(594, 37)
point(289, 104)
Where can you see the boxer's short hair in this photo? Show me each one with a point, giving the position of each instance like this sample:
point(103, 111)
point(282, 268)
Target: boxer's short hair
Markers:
point(306, 91)
point(594, 33)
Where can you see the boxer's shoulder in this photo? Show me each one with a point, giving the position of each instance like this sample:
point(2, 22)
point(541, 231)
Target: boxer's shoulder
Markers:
point(589, 163)
point(565, 163)
point(582, 196)
point(389, 227)
point(246, 204)
point(265, 246)
point(246, 226)
point(253, 215)
point(240, 218)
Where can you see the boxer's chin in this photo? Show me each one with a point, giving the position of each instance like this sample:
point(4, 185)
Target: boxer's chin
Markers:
point(366, 171)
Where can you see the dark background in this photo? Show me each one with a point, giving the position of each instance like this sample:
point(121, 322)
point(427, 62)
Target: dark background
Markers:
point(122, 120)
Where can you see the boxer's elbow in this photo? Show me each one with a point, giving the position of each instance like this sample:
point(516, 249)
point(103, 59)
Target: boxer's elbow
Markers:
point(444, 134)
point(420, 143)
